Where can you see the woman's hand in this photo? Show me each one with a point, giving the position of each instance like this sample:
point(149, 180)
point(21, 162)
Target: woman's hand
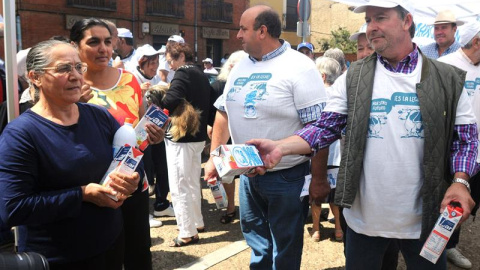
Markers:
point(86, 93)
point(97, 194)
point(155, 133)
point(124, 184)
point(145, 86)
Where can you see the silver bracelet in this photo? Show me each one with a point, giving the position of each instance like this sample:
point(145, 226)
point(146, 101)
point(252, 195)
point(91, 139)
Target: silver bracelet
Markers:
point(462, 181)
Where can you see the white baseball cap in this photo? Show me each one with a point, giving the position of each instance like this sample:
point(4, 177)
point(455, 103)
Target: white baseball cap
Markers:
point(146, 50)
point(176, 38)
point(362, 30)
point(124, 33)
point(208, 60)
point(468, 31)
point(406, 4)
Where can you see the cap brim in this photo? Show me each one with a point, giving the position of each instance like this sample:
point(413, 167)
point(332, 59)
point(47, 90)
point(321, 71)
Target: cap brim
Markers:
point(355, 36)
point(363, 8)
point(458, 23)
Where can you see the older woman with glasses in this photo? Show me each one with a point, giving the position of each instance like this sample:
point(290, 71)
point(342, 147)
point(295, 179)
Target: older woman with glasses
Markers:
point(53, 157)
point(118, 91)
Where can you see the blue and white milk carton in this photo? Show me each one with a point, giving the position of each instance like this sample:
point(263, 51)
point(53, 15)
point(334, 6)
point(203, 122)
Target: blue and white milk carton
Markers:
point(446, 224)
point(155, 115)
point(125, 161)
point(236, 159)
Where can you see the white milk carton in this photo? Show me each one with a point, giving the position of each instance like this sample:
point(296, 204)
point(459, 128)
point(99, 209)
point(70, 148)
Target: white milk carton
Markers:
point(236, 159)
point(446, 223)
point(125, 161)
point(218, 192)
point(153, 115)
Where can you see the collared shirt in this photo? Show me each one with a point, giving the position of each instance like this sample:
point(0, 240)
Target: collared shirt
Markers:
point(431, 50)
point(285, 45)
point(406, 65)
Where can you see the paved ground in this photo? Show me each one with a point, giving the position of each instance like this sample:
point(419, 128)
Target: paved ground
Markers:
point(326, 254)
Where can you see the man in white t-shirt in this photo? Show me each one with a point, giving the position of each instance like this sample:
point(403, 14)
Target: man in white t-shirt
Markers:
point(208, 65)
point(410, 146)
point(468, 59)
point(125, 50)
point(264, 99)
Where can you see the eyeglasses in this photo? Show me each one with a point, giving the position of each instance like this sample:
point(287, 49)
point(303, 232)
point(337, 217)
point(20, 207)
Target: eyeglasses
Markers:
point(68, 68)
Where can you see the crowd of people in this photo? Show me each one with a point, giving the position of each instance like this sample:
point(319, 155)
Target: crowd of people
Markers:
point(388, 141)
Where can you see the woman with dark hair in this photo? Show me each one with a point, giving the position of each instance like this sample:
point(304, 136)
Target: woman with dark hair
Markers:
point(53, 157)
point(184, 155)
point(118, 91)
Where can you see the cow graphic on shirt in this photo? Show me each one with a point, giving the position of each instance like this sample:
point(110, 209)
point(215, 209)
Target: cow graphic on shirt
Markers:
point(412, 119)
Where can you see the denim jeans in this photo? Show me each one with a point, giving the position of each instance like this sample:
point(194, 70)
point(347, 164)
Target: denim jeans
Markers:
point(272, 217)
point(367, 252)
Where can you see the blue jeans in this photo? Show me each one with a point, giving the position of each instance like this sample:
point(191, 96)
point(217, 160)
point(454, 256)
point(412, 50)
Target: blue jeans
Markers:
point(272, 217)
point(367, 252)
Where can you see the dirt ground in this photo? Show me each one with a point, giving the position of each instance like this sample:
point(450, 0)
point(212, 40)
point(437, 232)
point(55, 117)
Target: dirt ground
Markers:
point(326, 254)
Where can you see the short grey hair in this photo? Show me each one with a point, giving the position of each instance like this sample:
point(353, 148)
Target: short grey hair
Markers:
point(338, 55)
point(39, 57)
point(230, 63)
point(330, 67)
point(470, 43)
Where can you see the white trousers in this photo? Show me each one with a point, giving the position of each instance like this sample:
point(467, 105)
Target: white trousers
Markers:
point(184, 170)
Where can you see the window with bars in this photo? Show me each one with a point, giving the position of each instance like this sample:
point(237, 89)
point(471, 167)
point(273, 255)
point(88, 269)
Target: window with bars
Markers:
point(171, 8)
point(110, 5)
point(217, 11)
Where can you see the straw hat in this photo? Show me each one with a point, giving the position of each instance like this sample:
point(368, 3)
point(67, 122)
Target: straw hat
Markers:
point(447, 16)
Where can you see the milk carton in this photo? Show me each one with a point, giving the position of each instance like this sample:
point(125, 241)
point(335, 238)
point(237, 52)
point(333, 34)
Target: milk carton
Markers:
point(218, 193)
point(446, 223)
point(125, 161)
point(236, 159)
point(153, 115)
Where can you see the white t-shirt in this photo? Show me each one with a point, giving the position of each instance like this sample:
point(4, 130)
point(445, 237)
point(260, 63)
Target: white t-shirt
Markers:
point(388, 202)
point(211, 71)
point(130, 63)
point(165, 66)
point(263, 98)
point(472, 80)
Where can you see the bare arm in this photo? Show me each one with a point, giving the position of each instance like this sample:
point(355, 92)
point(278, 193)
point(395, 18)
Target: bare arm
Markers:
point(319, 187)
point(220, 136)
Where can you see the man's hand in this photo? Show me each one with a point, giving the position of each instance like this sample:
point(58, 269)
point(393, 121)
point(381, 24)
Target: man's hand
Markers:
point(319, 190)
point(458, 192)
point(269, 151)
point(210, 172)
point(86, 93)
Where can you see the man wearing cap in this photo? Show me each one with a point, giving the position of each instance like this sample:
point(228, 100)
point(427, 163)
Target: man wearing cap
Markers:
point(208, 65)
point(263, 98)
point(445, 26)
point(307, 49)
point(125, 50)
point(468, 59)
point(364, 48)
point(410, 147)
point(164, 71)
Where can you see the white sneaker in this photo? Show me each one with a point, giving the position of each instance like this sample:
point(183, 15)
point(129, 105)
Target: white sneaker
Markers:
point(154, 223)
point(165, 213)
point(454, 256)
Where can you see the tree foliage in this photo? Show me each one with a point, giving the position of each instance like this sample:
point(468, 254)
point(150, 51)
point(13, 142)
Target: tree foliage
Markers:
point(340, 39)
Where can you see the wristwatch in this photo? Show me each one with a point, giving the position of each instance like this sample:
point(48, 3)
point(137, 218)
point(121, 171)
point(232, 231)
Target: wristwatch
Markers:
point(462, 181)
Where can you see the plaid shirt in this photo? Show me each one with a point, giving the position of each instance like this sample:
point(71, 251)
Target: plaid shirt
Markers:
point(431, 50)
point(328, 128)
point(274, 53)
point(406, 66)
